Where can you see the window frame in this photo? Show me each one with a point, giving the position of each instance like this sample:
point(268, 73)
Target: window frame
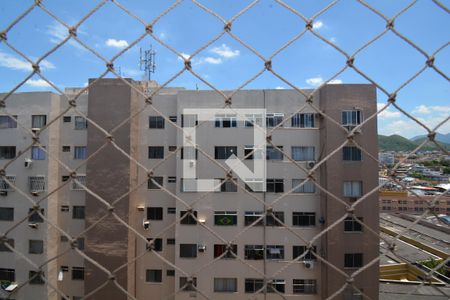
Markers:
point(155, 152)
point(303, 120)
point(351, 153)
point(353, 260)
point(156, 122)
point(153, 276)
point(6, 122)
point(224, 152)
point(309, 219)
point(188, 250)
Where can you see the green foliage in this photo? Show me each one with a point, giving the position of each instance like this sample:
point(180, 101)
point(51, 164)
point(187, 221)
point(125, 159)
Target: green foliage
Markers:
point(399, 143)
point(433, 263)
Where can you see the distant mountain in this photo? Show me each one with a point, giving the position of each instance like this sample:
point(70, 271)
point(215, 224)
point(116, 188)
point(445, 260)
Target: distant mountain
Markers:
point(399, 143)
point(445, 138)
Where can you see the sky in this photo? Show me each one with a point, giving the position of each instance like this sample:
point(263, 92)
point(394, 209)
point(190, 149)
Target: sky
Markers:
point(227, 64)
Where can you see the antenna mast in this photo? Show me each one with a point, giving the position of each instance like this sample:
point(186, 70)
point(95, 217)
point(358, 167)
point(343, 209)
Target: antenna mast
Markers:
point(147, 61)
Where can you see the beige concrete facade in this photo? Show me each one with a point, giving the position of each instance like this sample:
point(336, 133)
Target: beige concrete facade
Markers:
point(111, 175)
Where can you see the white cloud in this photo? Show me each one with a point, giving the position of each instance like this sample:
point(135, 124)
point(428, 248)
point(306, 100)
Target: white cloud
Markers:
point(317, 24)
point(14, 63)
point(116, 43)
point(37, 83)
point(184, 55)
point(279, 88)
point(335, 81)
point(212, 60)
point(426, 110)
point(225, 51)
point(59, 32)
point(421, 109)
point(333, 40)
point(162, 35)
point(387, 113)
point(314, 81)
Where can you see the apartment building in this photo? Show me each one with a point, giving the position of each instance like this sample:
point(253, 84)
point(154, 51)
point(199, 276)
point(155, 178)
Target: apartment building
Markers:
point(403, 202)
point(232, 242)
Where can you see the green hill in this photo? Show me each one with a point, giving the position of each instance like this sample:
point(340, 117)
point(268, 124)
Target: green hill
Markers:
point(399, 143)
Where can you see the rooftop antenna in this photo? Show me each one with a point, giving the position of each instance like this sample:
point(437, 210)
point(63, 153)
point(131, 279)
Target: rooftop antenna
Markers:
point(147, 61)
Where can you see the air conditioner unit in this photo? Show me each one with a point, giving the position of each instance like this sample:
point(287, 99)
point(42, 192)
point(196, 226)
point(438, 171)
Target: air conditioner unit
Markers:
point(35, 130)
point(309, 264)
point(201, 248)
point(3, 193)
point(33, 225)
point(310, 164)
point(192, 163)
point(146, 224)
point(28, 162)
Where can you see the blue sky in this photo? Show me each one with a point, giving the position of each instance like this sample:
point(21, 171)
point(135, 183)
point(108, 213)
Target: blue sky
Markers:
point(227, 64)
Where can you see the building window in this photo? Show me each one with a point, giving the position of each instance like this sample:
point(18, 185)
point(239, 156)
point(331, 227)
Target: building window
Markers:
point(273, 153)
point(251, 119)
point(170, 241)
point(7, 152)
point(307, 187)
point(352, 189)
point(353, 260)
point(172, 148)
point(38, 121)
point(156, 122)
point(6, 214)
point(5, 186)
point(67, 119)
point(228, 186)
point(78, 184)
point(171, 179)
point(37, 184)
point(189, 219)
point(275, 252)
point(187, 285)
point(63, 238)
point(7, 275)
point(77, 273)
point(254, 185)
point(303, 120)
point(303, 219)
point(271, 221)
point(65, 148)
point(152, 183)
point(189, 153)
point(251, 217)
point(254, 252)
point(225, 121)
point(275, 185)
point(170, 273)
point(173, 119)
point(153, 275)
point(351, 118)
point(225, 285)
point(225, 218)
point(65, 208)
point(274, 119)
point(155, 152)
point(171, 210)
point(157, 244)
point(35, 217)
point(351, 153)
point(253, 285)
point(4, 248)
point(351, 225)
point(224, 152)
point(78, 212)
point(79, 152)
point(220, 249)
point(80, 123)
point(304, 286)
point(35, 278)
point(189, 120)
point(8, 122)
point(303, 153)
point(154, 213)
point(277, 285)
point(250, 152)
point(188, 250)
point(299, 250)
point(35, 246)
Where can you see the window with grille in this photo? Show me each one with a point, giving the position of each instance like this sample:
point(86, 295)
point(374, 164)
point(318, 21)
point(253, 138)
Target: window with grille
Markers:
point(252, 119)
point(35, 246)
point(189, 219)
point(153, 183)
point(273, 153)
point(304, 286)
point(173, 119)
point(80, 123)
point(274, 119)
point(303, 219)
point(172, 148)
point(303, 120)
point(38, 121)
point(251, 216)
point(4, 248)
point(225, 285)
point(275, 252)
point(78, 212)
point(154, 213)
point(353, 260)
point(170, 273)
point(188, 250)
point(79, 152)
point(352, 189)
point(35, 217)
point(171, 179)
point(67, 119)
point(7, 274)
point(250, 152)
point(220, 249)
point(157, 244)
point(77, 273)
point(225, 218)
point(277, 285)
point(224, 152)
point(37, 153)
point(225, 121)
point(303, 153)
point(7, 152)
point(8, 122)
point(351, 118)
point(156, 152)
point(351, 225)
point(153, 275)
point(171, 210)
point(35, 278)
point(271, 221)
point(170, 241)
point(351, 153)
point(77, 186)
point(306, 188)
point(186, 285)
point(65, 149)
point(156, 122)
point(5, 186)
point(299, 250)
point(253, 285)
point(6, 214)
point(227, 186)
point(254, 252)
point(275, 185)
point(36, 184)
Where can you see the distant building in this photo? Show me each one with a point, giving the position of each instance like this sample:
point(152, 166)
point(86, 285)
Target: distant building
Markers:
point(386, 158)
point(404, 202)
